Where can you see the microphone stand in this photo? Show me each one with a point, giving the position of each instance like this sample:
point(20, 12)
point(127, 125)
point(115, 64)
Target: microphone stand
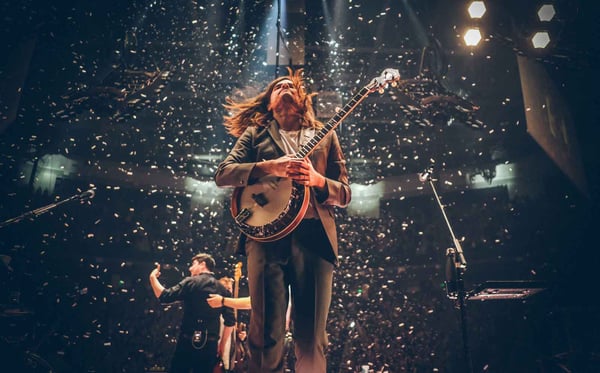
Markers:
point(41, 210)
point(278, 26)
point(456, 266)
point(280, 38)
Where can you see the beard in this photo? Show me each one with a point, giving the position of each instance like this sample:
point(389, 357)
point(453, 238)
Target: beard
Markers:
point(286, 102)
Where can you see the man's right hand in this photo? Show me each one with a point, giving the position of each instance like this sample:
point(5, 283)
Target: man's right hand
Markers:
point(155, 272)
point(276, 167)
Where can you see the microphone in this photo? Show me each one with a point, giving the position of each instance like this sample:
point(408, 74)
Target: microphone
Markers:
point(88, 194)
point(451, 275)
point(426, 174)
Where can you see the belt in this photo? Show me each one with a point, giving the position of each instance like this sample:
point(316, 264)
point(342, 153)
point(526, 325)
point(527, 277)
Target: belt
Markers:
point(210, 337)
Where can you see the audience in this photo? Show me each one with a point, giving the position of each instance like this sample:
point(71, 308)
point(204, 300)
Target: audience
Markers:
point(93, 311)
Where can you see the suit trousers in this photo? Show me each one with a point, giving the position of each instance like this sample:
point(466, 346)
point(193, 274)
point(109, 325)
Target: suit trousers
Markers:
point(294, 262)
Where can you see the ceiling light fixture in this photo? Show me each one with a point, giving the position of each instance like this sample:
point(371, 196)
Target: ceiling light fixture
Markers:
point(546, 13)
point(477, 9)
point(540, 39)
point(472, 37)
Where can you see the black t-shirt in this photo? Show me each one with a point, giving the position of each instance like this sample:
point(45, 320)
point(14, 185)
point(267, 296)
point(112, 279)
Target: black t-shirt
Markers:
point(197, 314)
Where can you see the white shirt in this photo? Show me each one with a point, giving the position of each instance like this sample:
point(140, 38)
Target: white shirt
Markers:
point(292, 141)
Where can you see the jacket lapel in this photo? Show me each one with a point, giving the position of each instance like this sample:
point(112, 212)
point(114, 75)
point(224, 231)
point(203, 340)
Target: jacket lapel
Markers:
point(274, 133)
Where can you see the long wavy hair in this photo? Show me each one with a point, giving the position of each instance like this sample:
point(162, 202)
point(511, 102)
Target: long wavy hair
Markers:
point(254, 111)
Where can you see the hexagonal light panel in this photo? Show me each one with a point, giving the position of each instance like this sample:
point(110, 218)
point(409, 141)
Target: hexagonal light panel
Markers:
point(472, 37)
point(477, 9)
point(540, 39)
point(546, 13)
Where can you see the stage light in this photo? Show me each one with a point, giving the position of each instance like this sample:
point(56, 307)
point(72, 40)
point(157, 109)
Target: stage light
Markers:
point(472, 37)
point(477, 9)
point(546, 13)
point(540, 40)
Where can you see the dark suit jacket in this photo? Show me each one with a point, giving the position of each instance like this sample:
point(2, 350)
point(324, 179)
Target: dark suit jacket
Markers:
point(264, 143)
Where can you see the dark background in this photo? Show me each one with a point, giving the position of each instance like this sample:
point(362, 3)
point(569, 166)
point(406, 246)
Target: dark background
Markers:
point(126, 98)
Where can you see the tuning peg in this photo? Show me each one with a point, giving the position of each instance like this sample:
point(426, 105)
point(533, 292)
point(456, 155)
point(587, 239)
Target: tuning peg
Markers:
point(381, 90)
point(394, 84)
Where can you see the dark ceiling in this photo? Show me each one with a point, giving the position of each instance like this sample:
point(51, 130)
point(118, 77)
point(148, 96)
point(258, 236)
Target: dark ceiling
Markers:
point(143, 84)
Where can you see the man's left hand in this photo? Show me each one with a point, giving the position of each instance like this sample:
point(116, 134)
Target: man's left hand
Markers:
point(303, 172)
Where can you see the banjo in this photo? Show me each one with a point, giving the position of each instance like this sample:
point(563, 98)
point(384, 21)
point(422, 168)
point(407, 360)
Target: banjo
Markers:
point(273, 207)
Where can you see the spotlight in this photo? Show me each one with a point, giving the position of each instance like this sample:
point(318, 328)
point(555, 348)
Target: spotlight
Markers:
point(472, 37)
point(540, 40)
point(546, 13)
point(477, 9)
